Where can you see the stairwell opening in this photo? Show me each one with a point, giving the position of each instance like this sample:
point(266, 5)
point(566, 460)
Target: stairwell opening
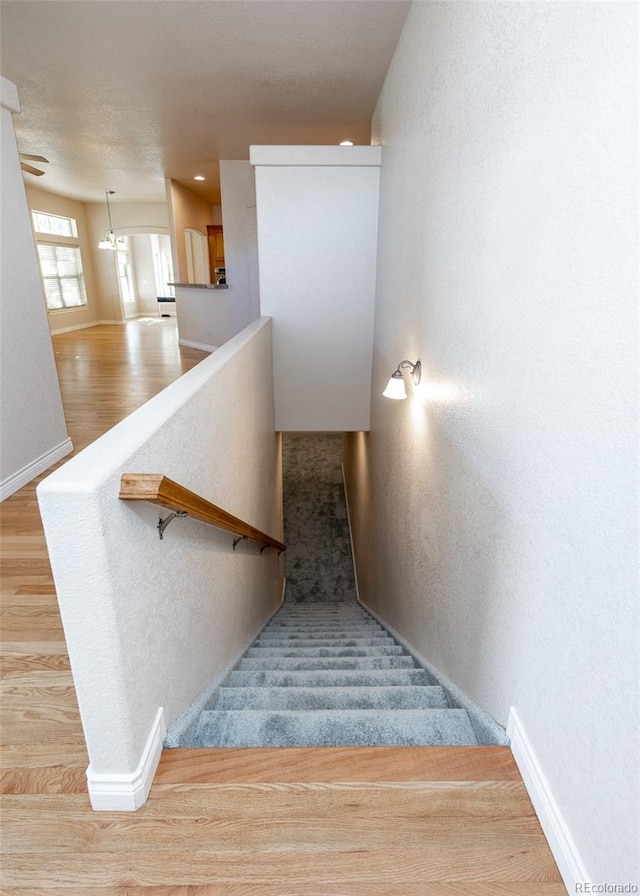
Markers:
point(318, 561)
point(323, 671)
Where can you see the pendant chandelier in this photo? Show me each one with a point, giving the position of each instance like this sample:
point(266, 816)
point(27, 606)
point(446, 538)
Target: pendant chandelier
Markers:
point(111, 241)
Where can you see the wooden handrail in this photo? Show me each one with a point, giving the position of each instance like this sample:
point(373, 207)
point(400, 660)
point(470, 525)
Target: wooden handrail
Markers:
point(157, 489)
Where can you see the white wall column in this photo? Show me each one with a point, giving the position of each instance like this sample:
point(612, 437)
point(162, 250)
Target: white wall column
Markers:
point(34, 432)
point(317, 212)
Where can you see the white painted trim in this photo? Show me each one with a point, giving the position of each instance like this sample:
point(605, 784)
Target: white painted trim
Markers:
point(337, 156)
point(21, 477)
point(93, 323)
point(558, 836)
point(112, 792)
point(201, 345)
point(60, 330)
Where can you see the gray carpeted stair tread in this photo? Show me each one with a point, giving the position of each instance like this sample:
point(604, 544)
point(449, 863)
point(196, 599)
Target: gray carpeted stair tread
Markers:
point(311, 617)
point(372, 662)
point(289, 634)
point(295, 651)
point(332, 631)
point(341, 678)
point(316, 610)
point(323, 642)
point(322, 606)
point(325, 623)
point(328, 675)
point(324, 620)
point(364, 727)
point(385, 697)
point(319, 631)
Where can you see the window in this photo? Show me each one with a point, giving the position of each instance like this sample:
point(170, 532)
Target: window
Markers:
point(60, 260)
point(62, 277)
point(54, 224)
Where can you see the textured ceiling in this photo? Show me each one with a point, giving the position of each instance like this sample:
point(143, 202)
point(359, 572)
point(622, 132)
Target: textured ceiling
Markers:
point(120, 94)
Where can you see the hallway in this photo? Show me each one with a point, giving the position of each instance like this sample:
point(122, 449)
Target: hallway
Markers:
point(351, 822)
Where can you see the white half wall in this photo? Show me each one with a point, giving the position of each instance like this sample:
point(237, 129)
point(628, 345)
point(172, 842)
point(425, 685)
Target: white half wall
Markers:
point(33, 434)
point(496, 511)
point(317, 230)
point(148, 622)
point(207, 318)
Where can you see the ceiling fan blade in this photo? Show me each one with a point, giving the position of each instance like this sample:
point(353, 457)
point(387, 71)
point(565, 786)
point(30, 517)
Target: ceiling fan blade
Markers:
point(26, 155)
point(30, 169)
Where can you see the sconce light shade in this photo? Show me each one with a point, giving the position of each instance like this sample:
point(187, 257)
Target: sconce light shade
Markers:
point(396, 387)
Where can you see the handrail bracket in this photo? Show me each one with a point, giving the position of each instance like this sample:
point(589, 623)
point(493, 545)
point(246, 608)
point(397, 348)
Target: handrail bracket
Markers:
point(279, 550)
point(163, 523)
point(236, 541)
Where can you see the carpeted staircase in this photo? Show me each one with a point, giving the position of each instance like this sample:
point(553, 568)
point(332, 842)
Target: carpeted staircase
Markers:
point(328, 674)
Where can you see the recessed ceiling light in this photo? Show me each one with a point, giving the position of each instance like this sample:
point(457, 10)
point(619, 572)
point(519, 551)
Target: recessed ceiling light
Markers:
point(198, 177)
point(346, 143)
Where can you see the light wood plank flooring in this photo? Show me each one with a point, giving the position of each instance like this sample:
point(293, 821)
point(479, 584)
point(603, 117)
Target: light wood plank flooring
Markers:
point(345, 822)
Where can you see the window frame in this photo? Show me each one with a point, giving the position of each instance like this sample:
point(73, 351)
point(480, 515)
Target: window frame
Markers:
point(73, 225)
point(60, 241)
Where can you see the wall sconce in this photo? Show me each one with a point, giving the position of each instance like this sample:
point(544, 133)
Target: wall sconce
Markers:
point(395, 386)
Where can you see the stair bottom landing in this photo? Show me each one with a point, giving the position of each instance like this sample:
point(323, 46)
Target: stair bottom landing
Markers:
point(356, 821)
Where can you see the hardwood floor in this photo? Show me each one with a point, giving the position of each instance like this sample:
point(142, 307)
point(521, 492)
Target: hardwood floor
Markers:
point(345, 822)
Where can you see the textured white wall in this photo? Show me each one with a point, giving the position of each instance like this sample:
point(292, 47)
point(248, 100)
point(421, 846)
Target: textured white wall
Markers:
point(317, 228)
point(238, 187)
point(149, 623)
point(496, 510)
point(33, 434)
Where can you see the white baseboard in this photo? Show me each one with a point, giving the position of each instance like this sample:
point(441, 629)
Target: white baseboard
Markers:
point(201, 345)
point(111, 792)
point(58, 330)
point(94, 323)
point(21, 477)
point(558, 836)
